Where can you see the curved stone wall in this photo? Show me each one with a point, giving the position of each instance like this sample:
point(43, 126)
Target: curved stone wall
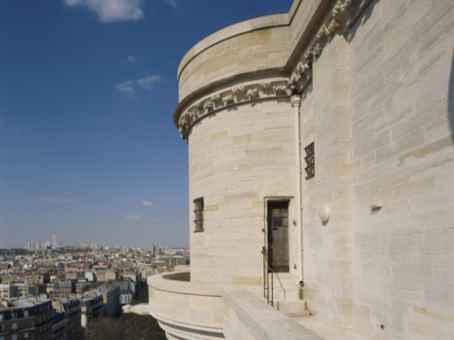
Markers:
point(238, 157)
point(252, 45)
point(184, 309)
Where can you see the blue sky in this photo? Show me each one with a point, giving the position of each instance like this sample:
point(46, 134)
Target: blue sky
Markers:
point(88, 148)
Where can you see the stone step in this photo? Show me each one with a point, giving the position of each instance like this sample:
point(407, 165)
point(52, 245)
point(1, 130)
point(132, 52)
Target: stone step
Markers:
point(292, 307)
point(288, 293)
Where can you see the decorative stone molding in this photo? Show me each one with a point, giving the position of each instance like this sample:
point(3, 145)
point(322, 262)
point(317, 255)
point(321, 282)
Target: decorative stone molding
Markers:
point(194, 113)
point(216, 98)
point(335, 23)
point(317, 50)
point(182, 130)
point(238, 90)
point(280, 89)
point(332, 28)
point(184, 119)
point(294, 79)
point(322, 35)
point(341, 18)
point(208, 105)
point(265, 85)
point(302, 68)
point(342, 8)
point(199, 106)
point(309, 54)
point(227, 99)
point(252, 93)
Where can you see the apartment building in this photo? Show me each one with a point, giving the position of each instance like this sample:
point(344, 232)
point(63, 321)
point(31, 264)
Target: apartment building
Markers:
point(91, 307)
point(22, 318)
point(71, 308)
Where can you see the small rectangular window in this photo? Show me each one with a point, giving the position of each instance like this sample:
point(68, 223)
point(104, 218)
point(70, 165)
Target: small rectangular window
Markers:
point(199, 215)
point(310, 161)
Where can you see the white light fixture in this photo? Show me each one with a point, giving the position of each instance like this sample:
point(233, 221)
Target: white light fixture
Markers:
point(323, 213)
point(376, 205)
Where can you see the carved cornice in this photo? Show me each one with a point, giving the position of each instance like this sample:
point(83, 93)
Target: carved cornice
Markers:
point(342, 17)
point(338, 22)
point(252, 93)
point(236, 95)
point(238, 90)
point(265, 85)
point(227, 99)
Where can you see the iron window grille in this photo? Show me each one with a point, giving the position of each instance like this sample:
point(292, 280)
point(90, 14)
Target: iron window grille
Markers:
point(310, 161)
point(199, 215)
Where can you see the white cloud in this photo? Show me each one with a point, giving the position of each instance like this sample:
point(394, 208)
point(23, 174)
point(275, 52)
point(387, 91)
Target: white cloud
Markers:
point(146, 203)
point(135, 218)
point(112, 10)
point(130, 59)
point(147, 82)
point(126, 87)
point(173, 3)
point(67, 200)
point(140, 218)
point(51, 199)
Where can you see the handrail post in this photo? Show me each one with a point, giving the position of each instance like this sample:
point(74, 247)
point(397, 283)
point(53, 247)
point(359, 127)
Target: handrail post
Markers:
point(272, 289)
point(267, 271)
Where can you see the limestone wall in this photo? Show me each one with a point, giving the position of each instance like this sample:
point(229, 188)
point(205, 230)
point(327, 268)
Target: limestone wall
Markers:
point(377, 109)
point(402, 149)
point(237, 158)
point(183, 308)
point(378, 103)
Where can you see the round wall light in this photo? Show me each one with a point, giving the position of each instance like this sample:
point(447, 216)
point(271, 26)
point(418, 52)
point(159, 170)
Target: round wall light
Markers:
point(323, 213)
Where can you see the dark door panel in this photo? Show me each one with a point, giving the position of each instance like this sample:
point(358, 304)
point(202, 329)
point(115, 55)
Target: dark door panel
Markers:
point(278, 243)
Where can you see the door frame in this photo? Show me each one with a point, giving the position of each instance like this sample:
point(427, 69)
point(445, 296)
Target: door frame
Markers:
point(266, 199)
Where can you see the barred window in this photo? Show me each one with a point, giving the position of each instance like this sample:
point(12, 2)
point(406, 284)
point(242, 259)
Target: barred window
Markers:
point(199, 215)
point(310, 161)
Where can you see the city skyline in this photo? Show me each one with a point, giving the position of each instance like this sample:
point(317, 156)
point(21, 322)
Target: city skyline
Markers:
point(41, 245)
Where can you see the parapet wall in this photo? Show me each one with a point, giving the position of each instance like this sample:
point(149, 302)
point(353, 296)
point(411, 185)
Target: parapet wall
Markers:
point(195, 311)
point(183, 308)
point(253, 45)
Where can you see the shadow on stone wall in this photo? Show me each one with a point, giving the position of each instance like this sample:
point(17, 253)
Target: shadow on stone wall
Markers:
point(361, 21)
point(451, 98)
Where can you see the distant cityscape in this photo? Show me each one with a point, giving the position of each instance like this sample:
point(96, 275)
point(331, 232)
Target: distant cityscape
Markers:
point(54, 245)
point(56, 292)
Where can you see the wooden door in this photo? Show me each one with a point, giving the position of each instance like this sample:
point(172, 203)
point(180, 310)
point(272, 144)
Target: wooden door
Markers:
point(278, 243)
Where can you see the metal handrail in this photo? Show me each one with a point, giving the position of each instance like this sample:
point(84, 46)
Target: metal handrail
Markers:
point(267, 270)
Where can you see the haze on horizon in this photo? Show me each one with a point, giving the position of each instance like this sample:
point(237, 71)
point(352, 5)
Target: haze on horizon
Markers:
point(87, 141)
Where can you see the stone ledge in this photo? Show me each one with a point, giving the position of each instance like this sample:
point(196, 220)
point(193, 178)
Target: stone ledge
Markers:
point(166, 282)
point(260, 320)
point(232, 31)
